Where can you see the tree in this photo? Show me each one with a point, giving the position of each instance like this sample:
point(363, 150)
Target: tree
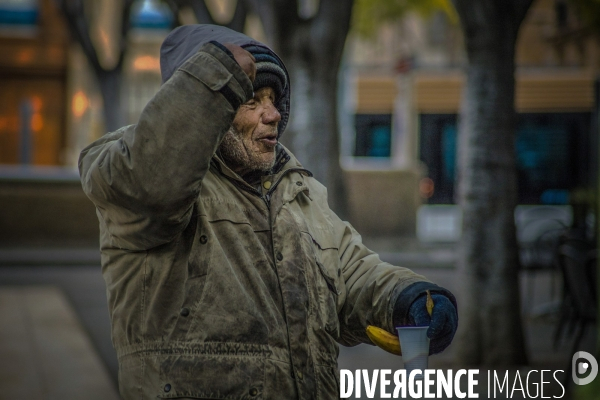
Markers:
point(311, 43)
point(589, 13)
point(109, 78)
point(487, 185)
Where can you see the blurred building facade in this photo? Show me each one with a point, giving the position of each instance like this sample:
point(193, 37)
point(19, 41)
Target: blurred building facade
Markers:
point(402, 100)
point(33, 82)
point(51, 108)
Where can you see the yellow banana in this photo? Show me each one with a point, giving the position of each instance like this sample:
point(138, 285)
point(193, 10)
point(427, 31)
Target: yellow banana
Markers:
point(384, 339)
point(429, 303)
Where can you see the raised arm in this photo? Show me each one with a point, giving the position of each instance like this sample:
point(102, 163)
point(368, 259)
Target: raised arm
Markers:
point(145, 178)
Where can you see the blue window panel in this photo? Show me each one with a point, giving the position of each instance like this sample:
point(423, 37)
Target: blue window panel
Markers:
point(373, 135)
point(380, 141)
point(449, 151)
point(542, 151)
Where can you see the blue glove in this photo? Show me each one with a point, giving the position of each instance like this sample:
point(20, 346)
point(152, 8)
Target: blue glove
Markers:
point(442, 323)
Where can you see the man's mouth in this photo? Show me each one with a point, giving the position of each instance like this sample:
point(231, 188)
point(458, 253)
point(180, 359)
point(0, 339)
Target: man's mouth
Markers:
point(270, 140)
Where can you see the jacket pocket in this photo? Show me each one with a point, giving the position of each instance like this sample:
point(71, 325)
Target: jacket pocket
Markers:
point(329, 280)
point(328, 302)
point(328, 384)
point(323, 278)
point(211, 376)
point(326, 255)
point(220, 225)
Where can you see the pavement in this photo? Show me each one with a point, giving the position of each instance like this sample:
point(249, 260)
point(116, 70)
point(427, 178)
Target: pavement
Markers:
point(45, 351)
point(31, 280)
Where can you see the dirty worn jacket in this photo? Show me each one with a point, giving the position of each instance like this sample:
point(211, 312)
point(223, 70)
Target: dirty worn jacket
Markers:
point(217, 289)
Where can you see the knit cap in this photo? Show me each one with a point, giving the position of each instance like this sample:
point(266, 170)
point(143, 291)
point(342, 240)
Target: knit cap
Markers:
point(269, 71)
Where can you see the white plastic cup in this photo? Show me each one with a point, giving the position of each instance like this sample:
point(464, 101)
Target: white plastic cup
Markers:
point(415, 348)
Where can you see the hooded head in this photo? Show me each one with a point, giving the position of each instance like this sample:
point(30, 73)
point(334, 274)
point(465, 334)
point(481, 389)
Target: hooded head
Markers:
point(184, 41)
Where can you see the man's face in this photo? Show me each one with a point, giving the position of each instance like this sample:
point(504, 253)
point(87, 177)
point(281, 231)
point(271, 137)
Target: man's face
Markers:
point(250, 142)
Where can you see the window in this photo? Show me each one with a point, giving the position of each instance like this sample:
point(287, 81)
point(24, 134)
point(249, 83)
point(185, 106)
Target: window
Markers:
point(553, 155)
point(373, 135)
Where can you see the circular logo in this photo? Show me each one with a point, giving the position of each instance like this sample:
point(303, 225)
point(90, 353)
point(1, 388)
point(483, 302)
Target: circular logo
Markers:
point(580, 367)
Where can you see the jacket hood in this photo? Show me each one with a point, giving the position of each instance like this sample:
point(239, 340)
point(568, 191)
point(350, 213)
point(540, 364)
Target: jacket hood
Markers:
point(184, 41)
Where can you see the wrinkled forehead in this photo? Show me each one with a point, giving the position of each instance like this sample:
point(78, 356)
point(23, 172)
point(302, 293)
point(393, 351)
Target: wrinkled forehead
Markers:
point(264, 91)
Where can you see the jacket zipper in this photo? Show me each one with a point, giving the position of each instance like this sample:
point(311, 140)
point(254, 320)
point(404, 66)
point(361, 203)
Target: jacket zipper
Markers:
point(267, 197)
point(248, 189)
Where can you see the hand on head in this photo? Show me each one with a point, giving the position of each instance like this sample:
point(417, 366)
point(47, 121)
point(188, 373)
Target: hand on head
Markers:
point(244, 58)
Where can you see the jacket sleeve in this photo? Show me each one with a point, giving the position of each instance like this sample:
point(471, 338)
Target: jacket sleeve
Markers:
point(376, 291)
point(145, 178)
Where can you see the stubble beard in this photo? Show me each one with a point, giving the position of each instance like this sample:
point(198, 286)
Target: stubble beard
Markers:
point(239, 157)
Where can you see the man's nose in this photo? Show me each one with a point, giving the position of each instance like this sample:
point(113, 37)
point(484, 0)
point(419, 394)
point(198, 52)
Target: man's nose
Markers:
point(271, 115)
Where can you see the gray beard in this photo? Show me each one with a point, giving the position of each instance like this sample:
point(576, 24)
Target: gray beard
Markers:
point(237, 156)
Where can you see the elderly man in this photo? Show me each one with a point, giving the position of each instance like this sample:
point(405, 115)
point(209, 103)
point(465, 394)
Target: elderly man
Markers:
point(227, 274)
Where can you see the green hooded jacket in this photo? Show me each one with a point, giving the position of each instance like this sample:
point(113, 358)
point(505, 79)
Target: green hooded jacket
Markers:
point(217, 290)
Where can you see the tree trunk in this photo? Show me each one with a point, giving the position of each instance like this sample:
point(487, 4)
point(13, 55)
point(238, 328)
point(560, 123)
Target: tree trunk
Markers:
point(203, 16)
point(491, 332)
point(109, 80)
point(312, 132)
point(110, 87)
point(312, 48)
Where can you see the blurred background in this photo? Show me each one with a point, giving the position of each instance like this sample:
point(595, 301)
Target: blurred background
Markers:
point(378, 100)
